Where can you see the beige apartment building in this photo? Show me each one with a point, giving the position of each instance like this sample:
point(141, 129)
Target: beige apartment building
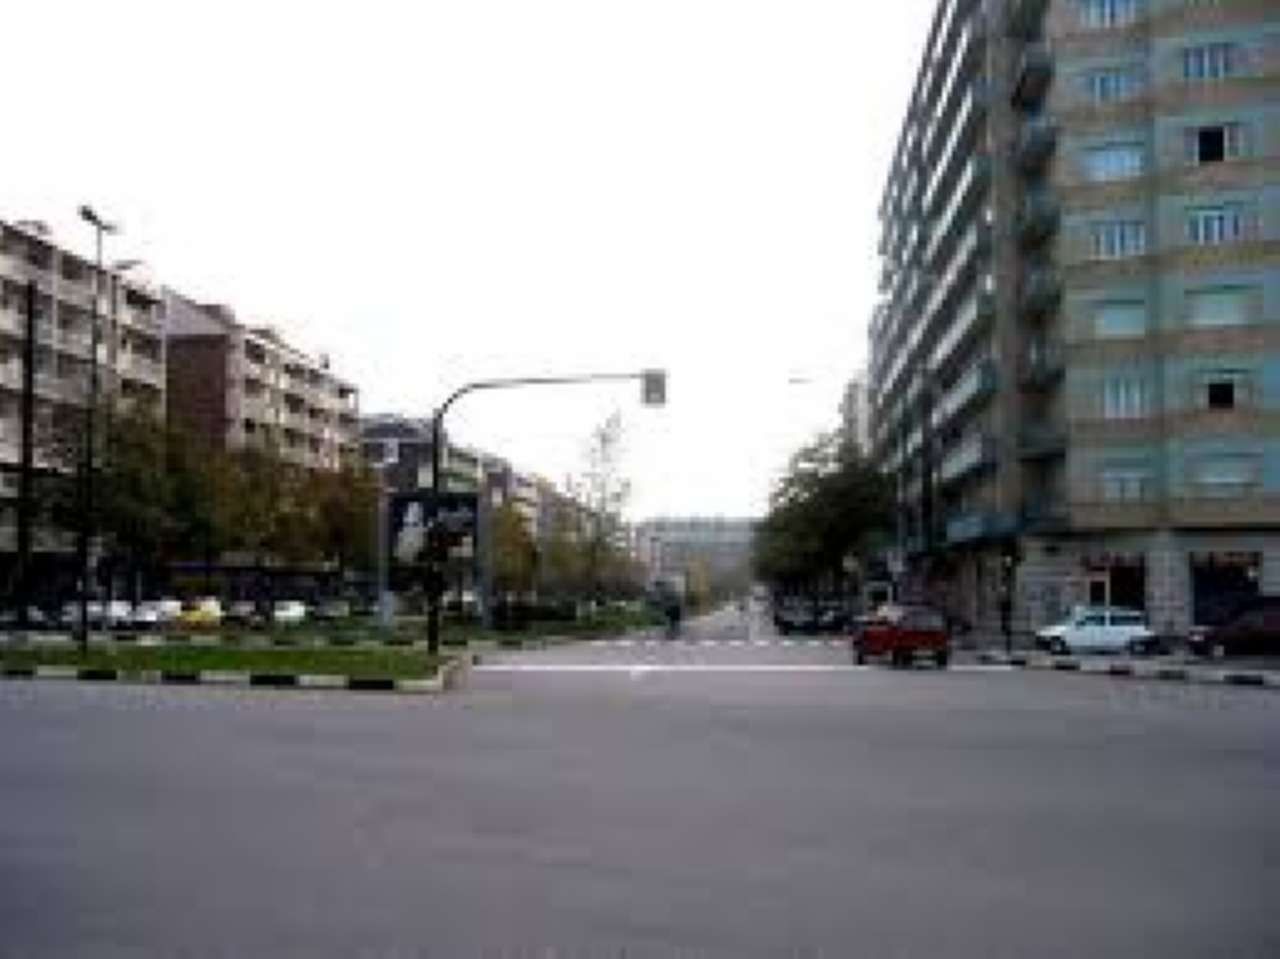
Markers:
point(1075, 375)
point(237, 384)
point(131, 351)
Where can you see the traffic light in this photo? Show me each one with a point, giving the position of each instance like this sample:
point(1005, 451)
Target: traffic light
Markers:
point(654, 388)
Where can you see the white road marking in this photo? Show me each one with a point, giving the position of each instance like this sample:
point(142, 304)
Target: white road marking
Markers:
point(639, 669)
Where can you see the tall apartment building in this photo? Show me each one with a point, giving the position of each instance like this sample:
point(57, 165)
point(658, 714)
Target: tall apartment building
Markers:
point(234, 384)
point(1075, 365)
point(131, 352)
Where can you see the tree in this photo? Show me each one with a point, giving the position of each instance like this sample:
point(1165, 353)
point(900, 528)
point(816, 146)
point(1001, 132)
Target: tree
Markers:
point(513, 552)
point(346, 502)
point(604, 492)
point(830, 504)
point(560, 567)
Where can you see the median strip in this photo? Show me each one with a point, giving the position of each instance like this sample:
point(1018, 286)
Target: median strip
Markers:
point(358, 670)
point(1159, 672)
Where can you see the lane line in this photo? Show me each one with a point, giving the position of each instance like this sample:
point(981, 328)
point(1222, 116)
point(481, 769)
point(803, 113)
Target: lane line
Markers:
point(655, 667)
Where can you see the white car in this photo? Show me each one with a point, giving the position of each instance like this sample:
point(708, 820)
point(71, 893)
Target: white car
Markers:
point(147, 615)
point(1099, 629)
point(288, 612)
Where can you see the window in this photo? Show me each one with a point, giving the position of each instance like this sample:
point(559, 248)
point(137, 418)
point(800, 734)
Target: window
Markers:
point(1113, 84)
point(1124, 398)
point(1214, 144)
point(1210, 61)
point(1120, 318)
point(1114, 239)
point(1117, 161)
point(1225, 475)
point(1218, 306)
point(1215, 225)
point(1223, 390)
point(1125, 484)
point(1102, 14)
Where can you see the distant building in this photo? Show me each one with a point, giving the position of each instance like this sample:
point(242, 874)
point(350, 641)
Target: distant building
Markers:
point(855, 419)
point(670, 547)
point(234, 384)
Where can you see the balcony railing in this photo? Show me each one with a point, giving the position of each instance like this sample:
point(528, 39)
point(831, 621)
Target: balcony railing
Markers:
point(972, 455)
point(974, 525)
point(972, 316)
point(962, 133)
point(1035, 72)
point(970, 188)
point(977, 384)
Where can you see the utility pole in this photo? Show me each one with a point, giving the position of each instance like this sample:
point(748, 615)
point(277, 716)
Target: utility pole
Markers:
point(653, 393)
point(100, 227)
point(26, 454)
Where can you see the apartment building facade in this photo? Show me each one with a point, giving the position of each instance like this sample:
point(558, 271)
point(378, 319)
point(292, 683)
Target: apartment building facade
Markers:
point(131, 351)
point(234, 384)
point(1075, 375)
point(670, 547)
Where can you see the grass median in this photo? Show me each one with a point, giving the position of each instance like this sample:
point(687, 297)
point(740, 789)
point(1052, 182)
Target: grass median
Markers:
point(364, 663)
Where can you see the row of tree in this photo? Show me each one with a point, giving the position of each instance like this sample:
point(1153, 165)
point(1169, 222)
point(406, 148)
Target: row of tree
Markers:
point(829, 512)
point(161, 496)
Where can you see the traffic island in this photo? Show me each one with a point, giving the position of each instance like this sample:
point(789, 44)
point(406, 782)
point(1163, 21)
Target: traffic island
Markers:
point(397, 671)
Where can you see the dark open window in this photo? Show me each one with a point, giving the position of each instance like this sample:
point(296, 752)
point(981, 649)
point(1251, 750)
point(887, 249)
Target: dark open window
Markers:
point(1222, 394)
point(1211, 144)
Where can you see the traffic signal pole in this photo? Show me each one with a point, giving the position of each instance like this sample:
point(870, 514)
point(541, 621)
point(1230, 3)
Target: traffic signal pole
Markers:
point(653, 393)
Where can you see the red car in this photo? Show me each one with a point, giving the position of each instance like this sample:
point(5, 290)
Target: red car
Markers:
point(902, 633)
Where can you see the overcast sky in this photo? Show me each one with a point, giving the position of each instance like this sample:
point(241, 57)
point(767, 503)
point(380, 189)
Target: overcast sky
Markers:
point(433, 192)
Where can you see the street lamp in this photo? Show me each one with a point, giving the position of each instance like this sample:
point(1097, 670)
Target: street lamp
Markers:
point(653, 392)
point(100, 228)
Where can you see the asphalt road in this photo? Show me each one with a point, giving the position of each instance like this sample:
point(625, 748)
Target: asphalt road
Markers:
point(692, 799)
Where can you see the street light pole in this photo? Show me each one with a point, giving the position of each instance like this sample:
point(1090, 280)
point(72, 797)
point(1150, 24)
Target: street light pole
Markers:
point(100, 227)
point(654, 393)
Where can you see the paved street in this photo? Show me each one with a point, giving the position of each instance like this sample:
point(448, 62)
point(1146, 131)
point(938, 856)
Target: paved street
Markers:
point(713, 797)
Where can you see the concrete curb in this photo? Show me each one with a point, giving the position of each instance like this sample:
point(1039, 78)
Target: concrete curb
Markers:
point(450, 676)
point(1126, 669)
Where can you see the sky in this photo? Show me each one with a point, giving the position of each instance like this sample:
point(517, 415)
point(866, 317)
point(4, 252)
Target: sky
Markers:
point(436, 192)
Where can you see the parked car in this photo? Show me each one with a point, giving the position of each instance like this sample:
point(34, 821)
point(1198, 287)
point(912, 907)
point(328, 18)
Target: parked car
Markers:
point(331, 610)
point(37, 618)
point(201, 613)
point(288, 612)
point(244, 612)
point(146, 616)
point(1100, 629)
point(902, 633)
point(1254, 630)
point(100, 615)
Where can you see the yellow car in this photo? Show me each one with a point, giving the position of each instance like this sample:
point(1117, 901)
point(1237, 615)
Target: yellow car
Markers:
point(200, 613)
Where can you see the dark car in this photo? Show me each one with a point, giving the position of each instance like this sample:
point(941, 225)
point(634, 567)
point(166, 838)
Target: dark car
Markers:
point(1254, 630)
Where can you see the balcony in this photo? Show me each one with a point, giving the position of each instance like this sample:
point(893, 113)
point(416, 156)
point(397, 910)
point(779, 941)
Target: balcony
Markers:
point(1045, 514)
point(970, 188)
point(977, 384)
point(1026, 17)
point(1041, 291)
point(1039, 442)
point(975, 525)
point(1036, 143)
point(960, 143)
point(1250, 507)
point(1035, 73)
point(1044, 365)
point(1039, 220)
point(972, 455)
point(970, 319)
